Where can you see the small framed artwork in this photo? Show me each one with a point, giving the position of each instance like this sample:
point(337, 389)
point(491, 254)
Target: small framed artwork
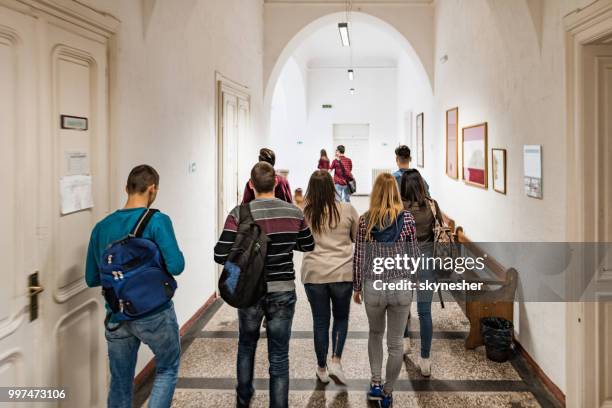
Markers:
point(498, 166)
point(419, 141)
point(452, 143)
point(532, 167)
point(475, 155)
point(74, 122)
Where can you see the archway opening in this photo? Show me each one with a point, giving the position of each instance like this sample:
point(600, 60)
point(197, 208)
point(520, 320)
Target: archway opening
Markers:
point(313, 103)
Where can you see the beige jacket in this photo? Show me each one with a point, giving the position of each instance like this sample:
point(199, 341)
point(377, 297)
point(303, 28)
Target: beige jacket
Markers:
point(332, 259)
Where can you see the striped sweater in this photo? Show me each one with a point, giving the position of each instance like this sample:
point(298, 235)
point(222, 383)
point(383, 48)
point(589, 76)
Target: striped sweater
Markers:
point(284, 224)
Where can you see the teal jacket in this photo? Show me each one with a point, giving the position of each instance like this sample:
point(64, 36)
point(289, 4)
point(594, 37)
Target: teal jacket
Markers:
point(117, 226)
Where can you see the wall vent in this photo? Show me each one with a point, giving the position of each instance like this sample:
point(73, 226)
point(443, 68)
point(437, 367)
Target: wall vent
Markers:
point(376, 172)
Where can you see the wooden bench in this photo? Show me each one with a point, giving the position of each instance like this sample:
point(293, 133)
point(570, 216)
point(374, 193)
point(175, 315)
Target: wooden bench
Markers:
point(499, 283)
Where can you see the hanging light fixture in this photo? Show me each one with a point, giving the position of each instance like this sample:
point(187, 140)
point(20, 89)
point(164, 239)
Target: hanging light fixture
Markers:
point(351, 74)
point(344, 34)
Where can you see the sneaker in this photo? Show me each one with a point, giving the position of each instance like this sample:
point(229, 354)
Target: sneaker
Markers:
point(323, 376)
point(387, 401)
point(375, 393)
point(425, 367)
point(336, 372)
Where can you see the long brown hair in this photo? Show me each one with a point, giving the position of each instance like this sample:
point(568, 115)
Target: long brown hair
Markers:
point(324, 154)
point(321, 209)
point(385, 203)
point(412, 188)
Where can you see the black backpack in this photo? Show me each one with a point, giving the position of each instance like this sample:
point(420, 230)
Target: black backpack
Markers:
point(243, 282)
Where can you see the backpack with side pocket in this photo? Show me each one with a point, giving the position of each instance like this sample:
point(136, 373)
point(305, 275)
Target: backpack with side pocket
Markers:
point(243, 282)
point(133, 274)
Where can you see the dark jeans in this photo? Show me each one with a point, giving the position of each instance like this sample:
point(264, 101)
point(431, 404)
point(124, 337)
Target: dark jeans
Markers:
point(424, 299)
point(278, 308)
point(161, 333)
point(320, 296)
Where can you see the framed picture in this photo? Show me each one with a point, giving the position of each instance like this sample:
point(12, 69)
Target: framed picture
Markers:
point(532, 165)
point(419, 141)
point(452, 143)
point(498, 166)
point(475, 155)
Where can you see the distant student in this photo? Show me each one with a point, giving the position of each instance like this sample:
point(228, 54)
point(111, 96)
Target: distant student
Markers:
point(158, 328)
point(423, 209)
point(282, 189)
point(284, 224)
point(323, 161)
point(385, 223)
point(298, 198)
point(403, 159)
point(327, 271)
point(342, 167)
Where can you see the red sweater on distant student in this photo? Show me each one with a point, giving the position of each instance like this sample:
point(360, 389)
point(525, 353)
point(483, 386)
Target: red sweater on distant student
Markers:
point(340, 176)
point(282, 191)
point(323, 164)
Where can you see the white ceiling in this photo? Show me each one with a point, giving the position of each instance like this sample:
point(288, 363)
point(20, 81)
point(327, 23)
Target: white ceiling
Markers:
point(370, 46)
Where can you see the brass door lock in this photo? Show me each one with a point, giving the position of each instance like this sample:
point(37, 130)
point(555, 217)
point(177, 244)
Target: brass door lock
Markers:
point(34, 290)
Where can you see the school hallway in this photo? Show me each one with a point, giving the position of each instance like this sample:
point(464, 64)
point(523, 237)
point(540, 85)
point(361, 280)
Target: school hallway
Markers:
point(505, 109)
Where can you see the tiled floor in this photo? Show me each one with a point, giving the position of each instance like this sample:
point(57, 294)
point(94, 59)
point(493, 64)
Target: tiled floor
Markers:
point(460, 377)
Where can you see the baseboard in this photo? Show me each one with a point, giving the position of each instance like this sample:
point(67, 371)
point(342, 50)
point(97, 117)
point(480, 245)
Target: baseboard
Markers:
point(538, 372)
point(149, 369)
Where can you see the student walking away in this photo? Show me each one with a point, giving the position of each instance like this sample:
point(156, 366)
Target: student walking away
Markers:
point(423, 209)
point(281, 189)
point(323, 161)
point(284, 225)
point(133, 254)
point(403, 159)
point(327, 271)
point(385, 230)
point(342, 167)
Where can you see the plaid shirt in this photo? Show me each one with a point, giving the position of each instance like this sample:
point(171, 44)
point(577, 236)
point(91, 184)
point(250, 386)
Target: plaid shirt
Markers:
point(339, 176)
point(366, 250)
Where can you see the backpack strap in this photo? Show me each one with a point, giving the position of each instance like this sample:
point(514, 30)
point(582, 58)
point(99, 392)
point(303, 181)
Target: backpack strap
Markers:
point(142, 222)
point(245, 214)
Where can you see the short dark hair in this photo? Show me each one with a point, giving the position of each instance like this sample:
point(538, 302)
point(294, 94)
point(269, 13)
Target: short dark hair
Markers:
point(267, 155)
point(340, 148)
point(403, 153)
point(263, 177)
point(140, 178)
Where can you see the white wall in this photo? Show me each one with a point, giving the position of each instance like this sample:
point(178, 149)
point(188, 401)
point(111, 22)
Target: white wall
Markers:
point(162, 97)
point(512, 76)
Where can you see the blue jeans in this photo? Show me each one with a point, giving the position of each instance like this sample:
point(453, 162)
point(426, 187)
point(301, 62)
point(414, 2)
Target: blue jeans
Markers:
point(161, 333)
point(343, 193)
point(424, 298)
point(320, 295)
point(278, 308)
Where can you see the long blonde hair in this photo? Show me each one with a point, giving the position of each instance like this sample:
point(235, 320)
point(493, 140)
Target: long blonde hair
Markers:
point(385, 203)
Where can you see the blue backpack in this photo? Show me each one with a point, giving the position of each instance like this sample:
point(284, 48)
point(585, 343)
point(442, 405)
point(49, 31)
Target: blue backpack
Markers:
point(133, 274)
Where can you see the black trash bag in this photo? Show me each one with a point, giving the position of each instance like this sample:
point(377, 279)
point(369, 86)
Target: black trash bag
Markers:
point(497, 336)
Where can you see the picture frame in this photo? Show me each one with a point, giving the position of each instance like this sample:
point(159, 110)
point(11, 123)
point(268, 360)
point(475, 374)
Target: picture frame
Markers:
point(498, 170)
point(452, 143)
point(420, 140)
point(474, 155)
point(532, 171)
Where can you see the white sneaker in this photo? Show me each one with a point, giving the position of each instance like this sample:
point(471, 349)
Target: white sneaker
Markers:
point(323, 376)
point(336, 372)
point(425, 367)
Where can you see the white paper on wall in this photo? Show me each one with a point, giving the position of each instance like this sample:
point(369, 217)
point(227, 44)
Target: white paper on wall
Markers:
point(76, 194)
point(77, 163)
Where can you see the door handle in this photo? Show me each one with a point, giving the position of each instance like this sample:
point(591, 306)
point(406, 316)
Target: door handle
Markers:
point(35, 290)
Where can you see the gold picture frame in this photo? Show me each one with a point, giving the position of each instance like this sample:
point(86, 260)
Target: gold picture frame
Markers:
point(474, 143)
point(498, 164)
point(452, 132)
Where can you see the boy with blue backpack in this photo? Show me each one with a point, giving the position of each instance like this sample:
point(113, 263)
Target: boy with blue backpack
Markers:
point(133, 255)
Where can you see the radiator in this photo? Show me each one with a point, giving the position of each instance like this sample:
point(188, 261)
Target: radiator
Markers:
point(376, 172)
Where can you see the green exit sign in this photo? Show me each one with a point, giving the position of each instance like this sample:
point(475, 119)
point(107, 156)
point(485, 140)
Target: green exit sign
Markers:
point(326, 106)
